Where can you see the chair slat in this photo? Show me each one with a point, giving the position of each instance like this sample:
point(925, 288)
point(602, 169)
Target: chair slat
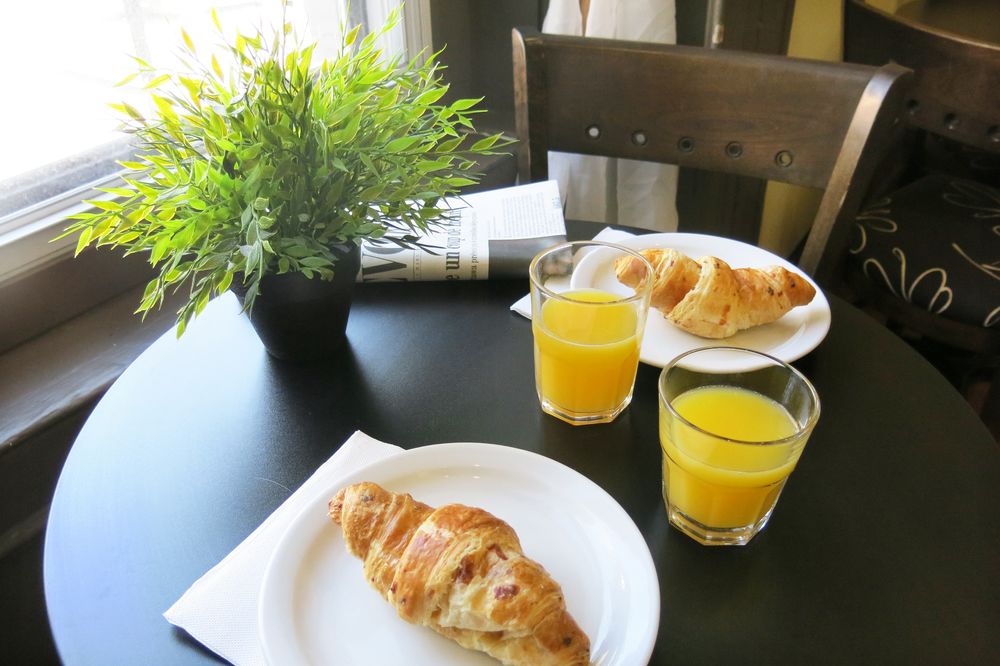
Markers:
point(791, 120)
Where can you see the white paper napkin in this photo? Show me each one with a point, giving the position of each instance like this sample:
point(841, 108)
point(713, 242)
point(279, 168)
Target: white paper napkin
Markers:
point(220, 609)
point(523, 305)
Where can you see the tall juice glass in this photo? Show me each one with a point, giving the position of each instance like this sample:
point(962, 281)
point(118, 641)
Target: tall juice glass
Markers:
point(733, 423)
point(587, 328)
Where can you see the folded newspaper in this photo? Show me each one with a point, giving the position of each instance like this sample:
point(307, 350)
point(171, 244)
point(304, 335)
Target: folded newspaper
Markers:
point(490, 235)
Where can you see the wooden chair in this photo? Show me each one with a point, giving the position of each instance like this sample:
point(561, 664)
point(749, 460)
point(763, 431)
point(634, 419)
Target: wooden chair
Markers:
point(927, 249)
point(812, 123)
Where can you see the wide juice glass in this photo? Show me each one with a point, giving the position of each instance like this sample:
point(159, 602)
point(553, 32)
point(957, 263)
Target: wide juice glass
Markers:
point(733, 423)
point(586, 337)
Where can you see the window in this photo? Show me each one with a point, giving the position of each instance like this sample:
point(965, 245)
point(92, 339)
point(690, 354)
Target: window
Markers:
point(62, 59)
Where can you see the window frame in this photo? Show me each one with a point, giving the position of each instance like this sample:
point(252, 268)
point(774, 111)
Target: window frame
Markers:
point(27, 241)
point(26, 234)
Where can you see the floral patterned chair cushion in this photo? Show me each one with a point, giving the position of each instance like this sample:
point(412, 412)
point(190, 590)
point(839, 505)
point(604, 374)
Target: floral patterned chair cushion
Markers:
point(936, 244)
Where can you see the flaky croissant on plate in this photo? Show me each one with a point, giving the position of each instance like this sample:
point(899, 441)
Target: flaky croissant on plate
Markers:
point(711, 299)
point(460, 571)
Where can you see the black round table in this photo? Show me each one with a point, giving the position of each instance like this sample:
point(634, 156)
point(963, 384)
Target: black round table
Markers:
point(884, 548)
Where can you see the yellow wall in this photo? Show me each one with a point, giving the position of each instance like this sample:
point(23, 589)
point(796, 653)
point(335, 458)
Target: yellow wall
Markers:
point(789, 209)
point(817, 32)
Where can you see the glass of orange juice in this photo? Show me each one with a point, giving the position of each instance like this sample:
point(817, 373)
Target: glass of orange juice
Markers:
point(587, 329)
point(733, 423)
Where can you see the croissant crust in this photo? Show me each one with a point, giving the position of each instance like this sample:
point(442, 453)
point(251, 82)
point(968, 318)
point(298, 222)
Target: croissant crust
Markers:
point(460, 571)
point(711, 299)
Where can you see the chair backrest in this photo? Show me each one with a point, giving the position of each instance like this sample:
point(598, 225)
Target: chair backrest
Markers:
point(956, 83)
point(811, 123)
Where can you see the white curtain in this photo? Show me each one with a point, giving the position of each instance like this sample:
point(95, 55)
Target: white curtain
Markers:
point(612, 191)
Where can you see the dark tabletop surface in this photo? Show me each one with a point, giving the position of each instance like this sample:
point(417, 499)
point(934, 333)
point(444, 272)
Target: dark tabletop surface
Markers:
point(884, 547)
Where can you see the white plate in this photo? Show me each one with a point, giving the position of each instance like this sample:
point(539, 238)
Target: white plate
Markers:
point(316, 607)
point(789, 338)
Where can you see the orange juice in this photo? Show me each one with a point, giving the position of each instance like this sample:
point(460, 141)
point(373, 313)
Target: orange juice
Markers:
point(586, 352)
point(714, 480)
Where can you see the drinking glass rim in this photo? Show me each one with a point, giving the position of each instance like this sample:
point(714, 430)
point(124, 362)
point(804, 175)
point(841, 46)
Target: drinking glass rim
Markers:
point(805, 428)
point(638, 295)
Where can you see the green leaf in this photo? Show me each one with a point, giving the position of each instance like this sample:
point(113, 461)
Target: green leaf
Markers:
point(135, 217)
point(193, 87)
point(157, 81)
point(126, 80)
point(102, 228)
point(117, 191)
point(249, 153)
point(83, 240)
point(224, 283)
point(166, 109)
point(449, 145)
point(351, 35)
point(187, 40)
point(349, 132)
point(401, 144)
point(159, 249)
point(112, 206)
point(151, 193)
point(126, 238)
point(463, 104)
point(429, 166)
point(298, 251)
point(315, 262)
point(83, 216)
point(132, 111)
point(151, 289)
point(369, 164)
point(374, 76)
point(202, 300)
point(213, 262)
point(484, 144)
point(247, 216)
point(432, 95)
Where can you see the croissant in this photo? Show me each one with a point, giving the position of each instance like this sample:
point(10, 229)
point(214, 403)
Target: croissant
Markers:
point(674, 275)
point(460, 571)
point(711, 299)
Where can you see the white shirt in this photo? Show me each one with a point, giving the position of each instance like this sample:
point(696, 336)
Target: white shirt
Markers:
point(614, 191)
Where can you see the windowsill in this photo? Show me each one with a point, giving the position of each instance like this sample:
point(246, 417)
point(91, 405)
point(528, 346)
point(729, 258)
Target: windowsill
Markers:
point(72, 363)
point(49, 385)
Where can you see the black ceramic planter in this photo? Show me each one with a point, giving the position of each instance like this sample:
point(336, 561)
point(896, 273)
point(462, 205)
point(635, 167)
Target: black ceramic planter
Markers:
point(302, 319)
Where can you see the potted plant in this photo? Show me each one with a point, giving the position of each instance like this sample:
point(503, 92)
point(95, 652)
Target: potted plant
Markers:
point(264, 177)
